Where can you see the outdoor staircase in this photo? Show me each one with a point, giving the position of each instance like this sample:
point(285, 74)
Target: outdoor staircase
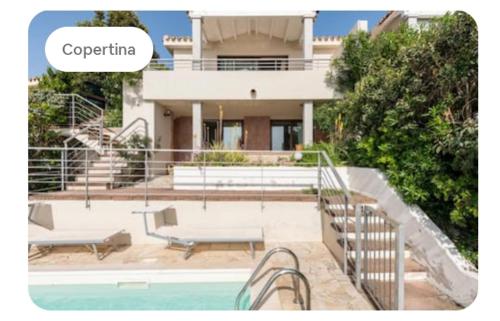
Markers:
point(99, 174)
point(419, 293)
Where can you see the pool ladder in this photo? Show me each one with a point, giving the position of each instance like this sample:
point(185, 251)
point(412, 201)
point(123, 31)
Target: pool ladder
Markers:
point(297, 276)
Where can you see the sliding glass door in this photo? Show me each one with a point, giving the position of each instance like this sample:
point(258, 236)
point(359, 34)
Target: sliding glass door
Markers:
point(285, 134)
point(232, 132)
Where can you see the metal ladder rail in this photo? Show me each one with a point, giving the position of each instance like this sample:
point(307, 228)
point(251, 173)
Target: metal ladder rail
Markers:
point(259, 267)
point(283, 271)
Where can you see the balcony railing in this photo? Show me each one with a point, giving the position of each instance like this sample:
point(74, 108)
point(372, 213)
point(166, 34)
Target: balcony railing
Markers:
point(240, 64)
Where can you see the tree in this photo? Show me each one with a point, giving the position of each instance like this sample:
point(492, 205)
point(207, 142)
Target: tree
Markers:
point(94, 85)
point(410, 109)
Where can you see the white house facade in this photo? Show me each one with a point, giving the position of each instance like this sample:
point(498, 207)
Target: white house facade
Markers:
point(244, 80)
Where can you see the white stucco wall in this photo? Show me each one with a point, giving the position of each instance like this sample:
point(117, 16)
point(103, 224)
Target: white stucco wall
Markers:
point(281, 221)
point(236, 85)
point(293, 178)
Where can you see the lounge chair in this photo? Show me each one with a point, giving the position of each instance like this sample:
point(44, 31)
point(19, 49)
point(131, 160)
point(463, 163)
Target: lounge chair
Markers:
point(90, 238)
point(190, 236)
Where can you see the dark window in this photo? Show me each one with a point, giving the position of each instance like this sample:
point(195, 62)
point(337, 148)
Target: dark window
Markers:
point(285, 134)
point(252, 63)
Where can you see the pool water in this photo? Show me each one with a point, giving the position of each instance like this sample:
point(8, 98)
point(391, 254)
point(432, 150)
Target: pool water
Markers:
point(154, 296)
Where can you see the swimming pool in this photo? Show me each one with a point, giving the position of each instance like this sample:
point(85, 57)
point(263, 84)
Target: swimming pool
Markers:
point(136, 291)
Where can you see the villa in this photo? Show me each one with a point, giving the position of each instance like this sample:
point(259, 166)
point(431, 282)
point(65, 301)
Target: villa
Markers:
point(210, 162)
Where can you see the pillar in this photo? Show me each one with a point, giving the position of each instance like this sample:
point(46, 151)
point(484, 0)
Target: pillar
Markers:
point(197, 126)
point(197, 42)
point(307, 123)
point(307, 41)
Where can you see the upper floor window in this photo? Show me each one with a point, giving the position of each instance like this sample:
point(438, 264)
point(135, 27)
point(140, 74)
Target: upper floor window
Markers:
point(252, 63)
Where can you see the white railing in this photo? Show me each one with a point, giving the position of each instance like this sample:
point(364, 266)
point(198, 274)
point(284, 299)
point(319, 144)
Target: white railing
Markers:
point(240, 64)
point(380, 259)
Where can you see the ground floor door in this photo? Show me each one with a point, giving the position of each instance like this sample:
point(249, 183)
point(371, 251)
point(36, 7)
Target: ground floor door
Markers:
point(230, 135)
point(285, 134)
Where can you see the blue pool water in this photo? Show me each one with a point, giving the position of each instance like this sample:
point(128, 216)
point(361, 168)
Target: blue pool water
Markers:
point(155, 296)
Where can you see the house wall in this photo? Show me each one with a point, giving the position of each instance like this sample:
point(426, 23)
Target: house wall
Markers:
point(257, 133)
point(237, 85)
point(183, 133)
point(281, 221)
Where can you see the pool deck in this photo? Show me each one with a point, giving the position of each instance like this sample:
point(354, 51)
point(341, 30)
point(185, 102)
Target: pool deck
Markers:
point(330, 288)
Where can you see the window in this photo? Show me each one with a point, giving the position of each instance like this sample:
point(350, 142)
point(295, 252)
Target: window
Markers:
point(232, 132)
point(285, 134)
point(225, 63)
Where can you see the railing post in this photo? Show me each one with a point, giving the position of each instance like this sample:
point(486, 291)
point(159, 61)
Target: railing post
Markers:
point(320, 177)
point(346, 209)
point(261, 183)
point(87, 202)
point(111, 176)
point(146, 175)
point(358, 246)
point(365, 244)
point(204, 180)
point(62, 169)
point(399, 269)
point(101, 129)
point(73, 111)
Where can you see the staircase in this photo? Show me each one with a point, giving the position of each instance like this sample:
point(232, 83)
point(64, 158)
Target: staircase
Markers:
point(99, 176)
point(380, 255)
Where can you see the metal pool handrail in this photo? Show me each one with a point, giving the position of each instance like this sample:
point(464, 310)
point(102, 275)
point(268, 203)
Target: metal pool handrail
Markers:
point(284, 271)
point(259, 268)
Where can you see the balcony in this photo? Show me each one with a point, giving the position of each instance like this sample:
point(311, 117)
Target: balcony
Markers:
point(236, 79)
point(240, 64)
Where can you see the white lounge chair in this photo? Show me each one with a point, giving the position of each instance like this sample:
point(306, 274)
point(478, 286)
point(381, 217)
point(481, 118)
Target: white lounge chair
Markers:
point(42, 237)
point(190, 236)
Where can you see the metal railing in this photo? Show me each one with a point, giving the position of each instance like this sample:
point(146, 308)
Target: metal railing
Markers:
point(196, 174)
point(240, 64)
point(252, 279)
point(380, 258)
point(335, 198)
point(281, 272)
point(75, 111)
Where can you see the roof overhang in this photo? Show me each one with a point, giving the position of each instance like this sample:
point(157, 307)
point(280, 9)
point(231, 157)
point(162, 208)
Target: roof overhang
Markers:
point(219, 26)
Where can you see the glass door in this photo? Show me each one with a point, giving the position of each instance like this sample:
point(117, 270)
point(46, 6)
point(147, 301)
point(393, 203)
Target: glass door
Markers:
point(285, 134)
point(232, 132)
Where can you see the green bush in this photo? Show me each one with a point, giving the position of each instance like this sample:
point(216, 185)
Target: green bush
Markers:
point(220, 157)
point(410, 108)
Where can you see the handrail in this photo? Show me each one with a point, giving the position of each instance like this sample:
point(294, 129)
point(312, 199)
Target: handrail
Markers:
point(329, 162)
point(259, 268)
point(284, 271)
point(238, 64)
point(123, 130)
point(74, 135)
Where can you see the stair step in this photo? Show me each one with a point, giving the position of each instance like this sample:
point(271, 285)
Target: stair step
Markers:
point(391, 276)
point(80, 186)
point(103, 171)
point(99, 164)
point(95, 179)
point(371, 237)
point(410, 265)
point(421, 295)
point(377, 254)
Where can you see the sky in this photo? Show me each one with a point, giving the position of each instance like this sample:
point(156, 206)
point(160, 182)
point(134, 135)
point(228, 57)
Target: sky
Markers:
point(176, 23)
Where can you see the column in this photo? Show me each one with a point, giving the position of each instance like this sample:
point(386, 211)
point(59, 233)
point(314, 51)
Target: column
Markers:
point(307, 123)
point(197, 41)
point(307, 41)
point(197, 126)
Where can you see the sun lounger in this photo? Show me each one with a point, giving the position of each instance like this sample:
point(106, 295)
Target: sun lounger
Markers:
point(91, 238)
point(190, 236)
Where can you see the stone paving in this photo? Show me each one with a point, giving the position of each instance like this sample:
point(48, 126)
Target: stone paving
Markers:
point(331, 289)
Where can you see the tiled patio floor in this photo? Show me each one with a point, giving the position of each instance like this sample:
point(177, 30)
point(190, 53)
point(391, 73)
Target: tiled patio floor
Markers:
point(331, 290)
